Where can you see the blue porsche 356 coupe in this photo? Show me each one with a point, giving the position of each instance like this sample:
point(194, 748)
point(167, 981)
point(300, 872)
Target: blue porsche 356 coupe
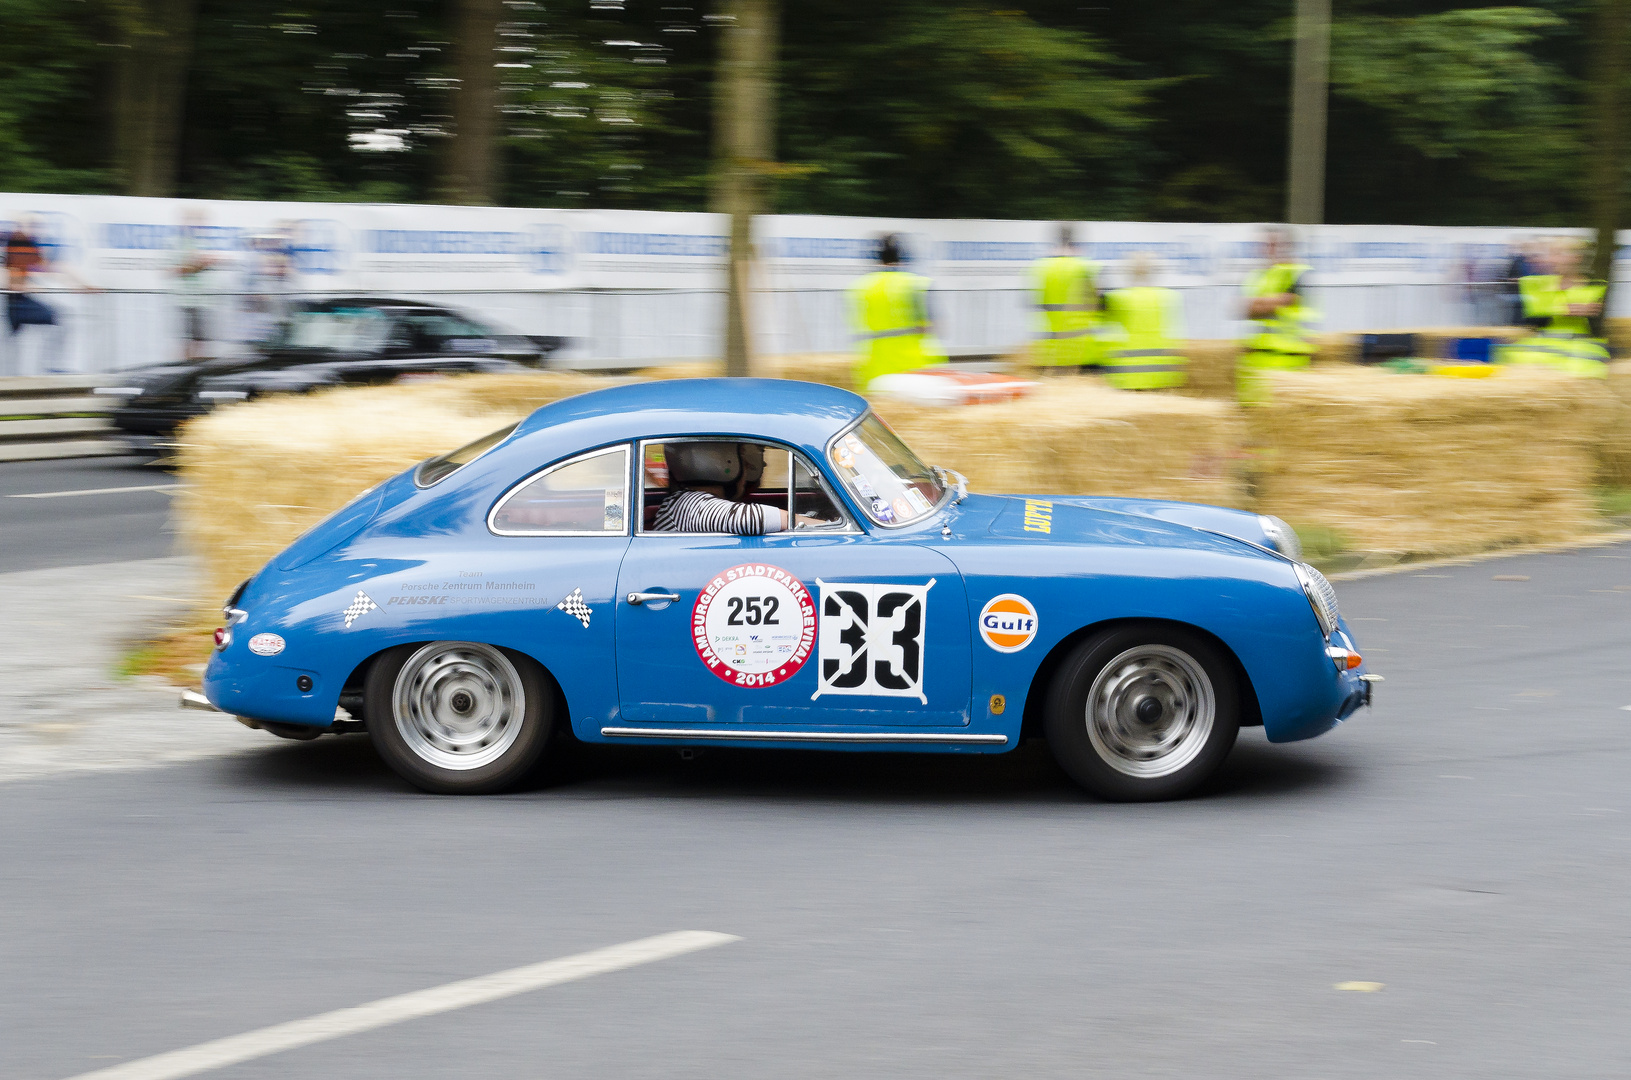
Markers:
point(712, 563)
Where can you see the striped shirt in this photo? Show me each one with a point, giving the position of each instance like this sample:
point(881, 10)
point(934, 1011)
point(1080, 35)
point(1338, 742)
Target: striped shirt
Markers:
point(700, 512)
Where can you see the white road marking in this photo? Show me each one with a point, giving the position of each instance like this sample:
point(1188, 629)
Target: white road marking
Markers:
point(1625, 708)
point(94, 491)
point(411, 1006)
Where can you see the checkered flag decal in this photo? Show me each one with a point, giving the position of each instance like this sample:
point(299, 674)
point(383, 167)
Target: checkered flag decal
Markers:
point(359, 607)
point(573, 605)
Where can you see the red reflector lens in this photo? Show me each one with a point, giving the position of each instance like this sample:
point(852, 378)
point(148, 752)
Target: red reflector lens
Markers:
point(220, 636)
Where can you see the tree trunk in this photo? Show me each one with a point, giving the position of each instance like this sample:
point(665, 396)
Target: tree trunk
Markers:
point(1310, 76)
point(473, 152)
point(1608, 135)
point(744, 146)
point(155, 52)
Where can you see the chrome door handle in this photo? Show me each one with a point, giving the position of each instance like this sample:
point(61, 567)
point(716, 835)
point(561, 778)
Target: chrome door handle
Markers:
point(638, 598)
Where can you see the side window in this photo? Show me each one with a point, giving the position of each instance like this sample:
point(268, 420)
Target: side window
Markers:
point(754, 473)
point(587, 496)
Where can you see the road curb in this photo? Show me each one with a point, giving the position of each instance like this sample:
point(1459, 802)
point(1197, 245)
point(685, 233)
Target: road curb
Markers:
point(1579, 544)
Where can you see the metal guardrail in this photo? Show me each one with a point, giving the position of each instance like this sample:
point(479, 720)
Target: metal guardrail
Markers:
point(58, 416)
point(53, 416)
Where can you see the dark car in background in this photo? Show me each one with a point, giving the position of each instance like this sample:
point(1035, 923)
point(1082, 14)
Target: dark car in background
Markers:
point(353, 341)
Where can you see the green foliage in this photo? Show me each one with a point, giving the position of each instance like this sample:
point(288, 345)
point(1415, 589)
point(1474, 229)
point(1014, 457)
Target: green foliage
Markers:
point(1615, 503)
point(1464, 85)
point(945, 110)
point(1173, 111)
point(52, 137)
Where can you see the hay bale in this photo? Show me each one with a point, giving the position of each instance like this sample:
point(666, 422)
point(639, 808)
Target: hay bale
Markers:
point(1415, 465)
point(1614, 449)
point(259, 474)
point(1618, 332)
point(830, 369)
point(1212, 368)
point(1079, 437)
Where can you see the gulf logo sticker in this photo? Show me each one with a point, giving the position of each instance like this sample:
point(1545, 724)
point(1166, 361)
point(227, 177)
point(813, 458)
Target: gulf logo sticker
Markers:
point(1008, 622)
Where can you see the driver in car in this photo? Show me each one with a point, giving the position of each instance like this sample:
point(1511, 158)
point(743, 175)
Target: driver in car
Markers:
point(710, 481)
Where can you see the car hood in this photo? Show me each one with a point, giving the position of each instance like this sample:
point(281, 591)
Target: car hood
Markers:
point(159, 379)
point(1143, 522)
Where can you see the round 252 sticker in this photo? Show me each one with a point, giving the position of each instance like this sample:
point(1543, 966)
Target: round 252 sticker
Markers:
point(754, 625)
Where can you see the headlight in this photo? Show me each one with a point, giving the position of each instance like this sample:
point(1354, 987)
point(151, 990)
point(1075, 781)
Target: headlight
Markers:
point(1321, 597)
point(1281, 537)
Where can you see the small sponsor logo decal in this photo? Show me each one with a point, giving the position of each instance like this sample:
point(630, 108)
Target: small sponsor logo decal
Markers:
point(358, 607)
point(1038, 516)
point(265, 644)
point(754, 625)
point(1008, 622)
point(574, 606)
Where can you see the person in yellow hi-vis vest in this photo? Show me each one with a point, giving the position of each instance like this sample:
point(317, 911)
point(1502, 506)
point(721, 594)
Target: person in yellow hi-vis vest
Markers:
point(1066, 296)
point(1567, 312)
point(1281, 339)
point(1148, 353)
point(890, 309)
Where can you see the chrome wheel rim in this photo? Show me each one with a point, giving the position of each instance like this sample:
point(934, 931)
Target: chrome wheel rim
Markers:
point(458, 704)
point(1150, 711)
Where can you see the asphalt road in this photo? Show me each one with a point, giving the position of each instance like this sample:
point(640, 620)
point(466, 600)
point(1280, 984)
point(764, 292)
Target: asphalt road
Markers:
point(71, 528)
point(1464, 845)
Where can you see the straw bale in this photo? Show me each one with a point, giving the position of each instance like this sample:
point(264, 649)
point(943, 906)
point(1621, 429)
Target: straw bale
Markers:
point(1618, 332)
point(1614, 457)
point(1410, 464)
point(1212, 368)
point(261, 473)
point(831, 369)
point(1079, 437)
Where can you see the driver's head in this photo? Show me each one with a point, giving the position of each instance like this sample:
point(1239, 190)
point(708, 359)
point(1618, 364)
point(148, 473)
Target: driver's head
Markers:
point(753, 466)
point(703, 464)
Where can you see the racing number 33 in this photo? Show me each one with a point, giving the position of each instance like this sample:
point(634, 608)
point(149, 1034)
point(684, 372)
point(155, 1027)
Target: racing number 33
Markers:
point(871, 640)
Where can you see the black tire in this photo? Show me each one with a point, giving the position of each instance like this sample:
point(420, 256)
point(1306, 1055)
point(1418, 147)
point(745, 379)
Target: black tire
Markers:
point(429, 707)
point(1126, 750)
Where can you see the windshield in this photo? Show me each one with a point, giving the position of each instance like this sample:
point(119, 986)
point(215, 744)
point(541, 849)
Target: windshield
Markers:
point(438, 468)
point(886, 478)
point(359, 329)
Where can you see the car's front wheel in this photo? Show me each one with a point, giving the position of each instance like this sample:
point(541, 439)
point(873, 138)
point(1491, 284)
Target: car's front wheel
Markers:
point(1143, 711)
point(458, 717)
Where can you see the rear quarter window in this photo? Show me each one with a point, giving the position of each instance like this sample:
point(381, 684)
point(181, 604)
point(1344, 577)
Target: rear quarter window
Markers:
point(440, 468)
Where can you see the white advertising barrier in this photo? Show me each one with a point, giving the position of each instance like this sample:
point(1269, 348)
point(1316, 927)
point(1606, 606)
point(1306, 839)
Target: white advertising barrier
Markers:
point(631, 285)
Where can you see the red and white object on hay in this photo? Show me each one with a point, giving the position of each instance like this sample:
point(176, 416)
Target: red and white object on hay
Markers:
point(942, 386)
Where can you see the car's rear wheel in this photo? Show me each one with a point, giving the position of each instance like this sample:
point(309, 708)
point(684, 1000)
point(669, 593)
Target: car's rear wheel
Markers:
point(458, 717)
point(1143, 711)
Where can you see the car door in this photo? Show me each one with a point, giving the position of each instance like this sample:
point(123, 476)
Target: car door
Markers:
point(822, 625)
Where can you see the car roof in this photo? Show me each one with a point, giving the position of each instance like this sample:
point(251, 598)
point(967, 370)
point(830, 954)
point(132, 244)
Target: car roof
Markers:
point(803, 414)
point(336, 302)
